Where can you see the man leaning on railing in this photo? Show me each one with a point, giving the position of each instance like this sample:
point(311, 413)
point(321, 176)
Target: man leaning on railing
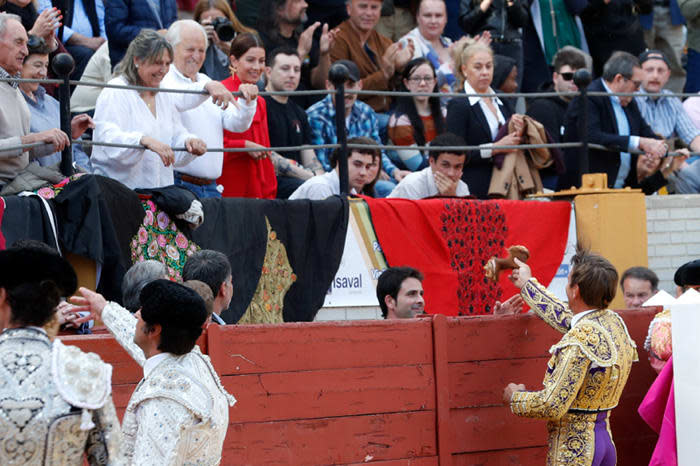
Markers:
point(615, 122)
point(14, 112)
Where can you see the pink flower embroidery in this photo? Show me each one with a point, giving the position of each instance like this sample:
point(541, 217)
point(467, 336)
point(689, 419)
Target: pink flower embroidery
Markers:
point(181, 241)
point(162, 241)
point(143, 235)
point(172, 252)
point(153, 249)
point(148, 219)
point(46, 193)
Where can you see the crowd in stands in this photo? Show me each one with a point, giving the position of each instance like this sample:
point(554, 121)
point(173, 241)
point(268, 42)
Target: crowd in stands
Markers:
point(493, 48)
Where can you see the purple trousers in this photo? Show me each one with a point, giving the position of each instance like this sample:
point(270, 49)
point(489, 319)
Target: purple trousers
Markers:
point(605, 454)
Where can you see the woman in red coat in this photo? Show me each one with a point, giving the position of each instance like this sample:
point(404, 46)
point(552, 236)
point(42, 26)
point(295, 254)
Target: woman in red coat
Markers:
point(248, 174)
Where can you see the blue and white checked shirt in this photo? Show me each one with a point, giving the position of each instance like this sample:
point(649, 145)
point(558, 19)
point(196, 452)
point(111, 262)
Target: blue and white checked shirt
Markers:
point(361, 122)
point(667, 117)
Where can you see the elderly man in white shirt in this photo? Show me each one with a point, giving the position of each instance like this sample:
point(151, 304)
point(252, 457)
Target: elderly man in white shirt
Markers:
point(207, 121)
point(442, 177)
point(363, 169)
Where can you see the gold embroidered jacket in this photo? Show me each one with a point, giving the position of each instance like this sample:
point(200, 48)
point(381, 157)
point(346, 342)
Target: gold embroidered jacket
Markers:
point(589, 366)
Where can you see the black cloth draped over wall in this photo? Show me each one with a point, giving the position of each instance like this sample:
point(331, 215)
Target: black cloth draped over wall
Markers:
point(98, 217)
point(313, 233)
point(26, 218)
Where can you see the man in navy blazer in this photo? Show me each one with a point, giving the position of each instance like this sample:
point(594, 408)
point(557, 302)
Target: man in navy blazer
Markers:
point(614, 122)
point(124, 19)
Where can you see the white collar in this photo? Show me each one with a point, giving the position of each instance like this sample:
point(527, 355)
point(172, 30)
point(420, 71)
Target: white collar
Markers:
point(468, 89)
point(607, 89)
point(152, 362)
point(575, 319)
point(178, 74)
point(335, 179)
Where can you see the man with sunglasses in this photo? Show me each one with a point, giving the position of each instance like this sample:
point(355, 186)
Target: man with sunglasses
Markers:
point(550, 111)
point(615, 122)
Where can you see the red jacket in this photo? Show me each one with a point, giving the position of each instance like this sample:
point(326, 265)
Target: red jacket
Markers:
point(242, 175)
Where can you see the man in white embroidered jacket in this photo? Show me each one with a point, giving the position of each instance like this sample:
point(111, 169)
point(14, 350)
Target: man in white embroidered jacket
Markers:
point(178, 413)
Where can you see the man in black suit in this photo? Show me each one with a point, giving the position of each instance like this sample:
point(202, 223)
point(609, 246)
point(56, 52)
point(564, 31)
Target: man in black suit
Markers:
point(614, 122)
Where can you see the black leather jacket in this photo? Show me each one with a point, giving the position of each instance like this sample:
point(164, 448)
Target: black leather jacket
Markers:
point(501, 20)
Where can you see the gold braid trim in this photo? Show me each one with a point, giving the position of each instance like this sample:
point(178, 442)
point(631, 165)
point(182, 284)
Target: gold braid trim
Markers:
point(566, 374)
point(277, 276)
point(571, 440)
point(547, 306)
point(593, 340)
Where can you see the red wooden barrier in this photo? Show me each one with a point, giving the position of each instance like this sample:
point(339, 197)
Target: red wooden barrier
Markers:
point(420, 392)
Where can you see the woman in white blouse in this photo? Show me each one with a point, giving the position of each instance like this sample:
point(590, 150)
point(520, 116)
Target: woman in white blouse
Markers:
point(147, 118)
point(478, 119)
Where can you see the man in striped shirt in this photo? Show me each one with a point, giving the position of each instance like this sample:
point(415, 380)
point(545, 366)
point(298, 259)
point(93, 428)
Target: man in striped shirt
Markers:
point(664, 114)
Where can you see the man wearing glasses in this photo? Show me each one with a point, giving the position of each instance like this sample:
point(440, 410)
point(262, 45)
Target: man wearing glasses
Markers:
point(615, 122)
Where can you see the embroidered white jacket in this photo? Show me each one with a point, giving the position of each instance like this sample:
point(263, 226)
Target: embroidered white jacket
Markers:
point(178, 413)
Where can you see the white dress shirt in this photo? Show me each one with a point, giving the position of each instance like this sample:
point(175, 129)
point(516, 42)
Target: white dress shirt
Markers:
point(421, 184)
point(122, 116)
point(208, 121)
point(320, 187)
point(494, 121)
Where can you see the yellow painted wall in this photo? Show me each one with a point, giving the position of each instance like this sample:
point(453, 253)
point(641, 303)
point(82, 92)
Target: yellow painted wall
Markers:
point(615, 226)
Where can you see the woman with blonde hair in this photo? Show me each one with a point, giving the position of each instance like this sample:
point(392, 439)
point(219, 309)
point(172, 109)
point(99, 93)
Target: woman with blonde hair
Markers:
point(211, 13)
point(478, 118)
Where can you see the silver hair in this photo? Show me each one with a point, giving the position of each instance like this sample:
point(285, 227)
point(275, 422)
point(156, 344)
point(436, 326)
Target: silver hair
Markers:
point(136, 278)
point(148, 46)
point(4, 17)
point(622, 63)
point(174, 35)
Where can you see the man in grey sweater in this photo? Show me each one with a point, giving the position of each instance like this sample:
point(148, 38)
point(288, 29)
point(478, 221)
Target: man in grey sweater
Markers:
point(14, 113)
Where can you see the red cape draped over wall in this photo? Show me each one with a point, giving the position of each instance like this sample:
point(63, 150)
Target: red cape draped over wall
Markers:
point(450, 240)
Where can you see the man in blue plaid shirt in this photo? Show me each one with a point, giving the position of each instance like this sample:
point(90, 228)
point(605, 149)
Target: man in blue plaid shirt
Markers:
point(665, 114)
point(360, 120)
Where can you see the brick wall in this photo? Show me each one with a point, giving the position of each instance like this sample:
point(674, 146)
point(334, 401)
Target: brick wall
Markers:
point(673, 227)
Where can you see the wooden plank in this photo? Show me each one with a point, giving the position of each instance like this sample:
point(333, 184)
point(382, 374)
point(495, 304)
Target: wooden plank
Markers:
point(124, 369)
point(484, 338)
point(442, 389)
point(535, 456)
point(250, 349)
point(634, 440)
point(481, 383)
point(494, 428)
point(422, 461)
point(326, 393)
point(332, 440)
